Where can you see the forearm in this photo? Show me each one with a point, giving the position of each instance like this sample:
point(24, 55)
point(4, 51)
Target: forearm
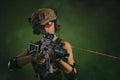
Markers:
point(69, 71)
point(24, 60)
point(66, 67)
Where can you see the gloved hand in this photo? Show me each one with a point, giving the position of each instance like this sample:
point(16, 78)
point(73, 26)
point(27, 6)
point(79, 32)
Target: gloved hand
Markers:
point(60, 53)
point(39, 58)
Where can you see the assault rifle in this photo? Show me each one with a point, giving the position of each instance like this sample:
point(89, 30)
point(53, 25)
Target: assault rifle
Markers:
point(45, 47)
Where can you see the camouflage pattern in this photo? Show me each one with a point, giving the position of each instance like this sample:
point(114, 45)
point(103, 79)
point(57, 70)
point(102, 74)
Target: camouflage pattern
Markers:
point(43, 15)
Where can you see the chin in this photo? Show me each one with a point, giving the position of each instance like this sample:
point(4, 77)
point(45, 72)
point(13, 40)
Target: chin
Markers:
point(51, 33)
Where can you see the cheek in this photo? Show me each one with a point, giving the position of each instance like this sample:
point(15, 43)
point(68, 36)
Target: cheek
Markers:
point(47, 29)
point(50, 30)
point(48, 26)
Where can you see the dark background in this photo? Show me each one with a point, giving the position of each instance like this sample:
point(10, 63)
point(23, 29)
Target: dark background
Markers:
point(92, 24)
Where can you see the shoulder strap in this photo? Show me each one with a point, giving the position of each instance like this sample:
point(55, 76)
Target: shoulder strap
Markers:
point(58, 40)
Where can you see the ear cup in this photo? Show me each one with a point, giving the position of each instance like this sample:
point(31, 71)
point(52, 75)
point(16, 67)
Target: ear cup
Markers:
point(36, 29)
point(57, 25)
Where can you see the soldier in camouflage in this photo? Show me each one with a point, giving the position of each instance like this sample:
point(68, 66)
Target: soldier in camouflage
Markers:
point(51, 57)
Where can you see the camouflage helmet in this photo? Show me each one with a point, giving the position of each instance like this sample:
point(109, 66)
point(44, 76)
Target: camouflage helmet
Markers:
point(43, 15)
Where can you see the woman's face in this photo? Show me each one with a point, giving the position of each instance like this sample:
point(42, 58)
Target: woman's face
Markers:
point(49, 28)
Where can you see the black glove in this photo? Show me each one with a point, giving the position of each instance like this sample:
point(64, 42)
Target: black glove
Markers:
point(12, 64)
point(60, 53)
